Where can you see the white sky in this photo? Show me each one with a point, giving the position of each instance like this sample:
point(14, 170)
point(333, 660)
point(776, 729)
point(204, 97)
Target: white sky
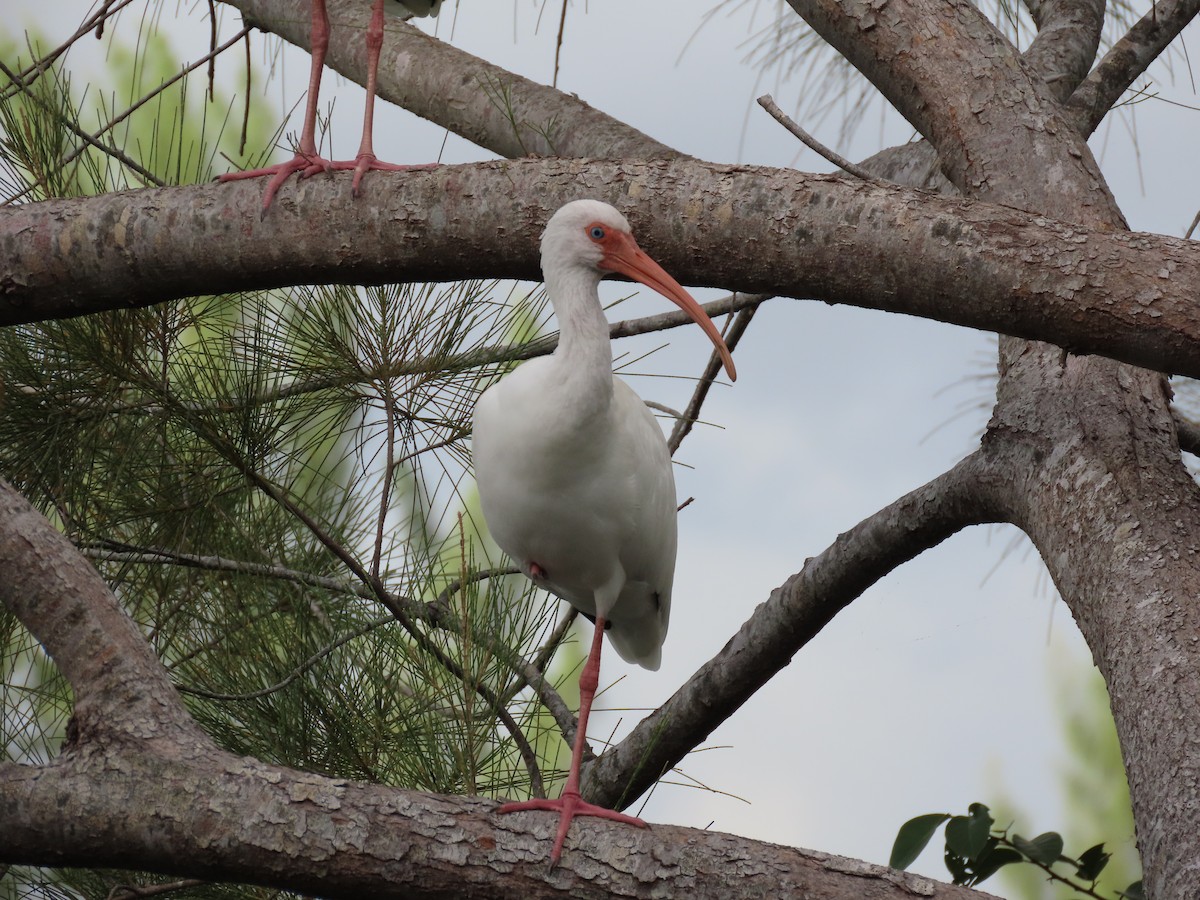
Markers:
point(836, 413)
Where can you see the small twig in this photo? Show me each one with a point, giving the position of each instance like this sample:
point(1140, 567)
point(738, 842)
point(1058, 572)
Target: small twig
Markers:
point(283, 497)
point(664, 409)
point(113, 152)
point(1046, 867)
point(385, 491)
point(769, 104)
point(534, 677)
point(1192, 227)
point(465, 616)
point(154, 555)
point(688, 418)
point(94, 23)
point(93, 140)
point(212, 49)
point(437, 613)
point(562, 27)
point(296, 672)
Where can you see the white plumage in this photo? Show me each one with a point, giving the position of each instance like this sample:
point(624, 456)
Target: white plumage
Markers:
point(407, 8)
point(573, 471)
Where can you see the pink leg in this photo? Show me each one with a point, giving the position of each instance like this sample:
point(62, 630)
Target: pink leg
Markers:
point(571, 804)
point(366, 160)
point(306, 161)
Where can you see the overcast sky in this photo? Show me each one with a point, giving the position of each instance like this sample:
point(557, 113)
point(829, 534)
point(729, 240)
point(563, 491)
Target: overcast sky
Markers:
point(836, 413)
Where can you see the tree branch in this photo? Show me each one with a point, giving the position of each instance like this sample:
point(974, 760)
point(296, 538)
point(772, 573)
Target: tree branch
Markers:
point(795, 613)
point(121, 689)
point(712, 370)
point(1129, 58)
point(1066, 42)
point(1099, 486)
point(248, 822)
point(1128, 296)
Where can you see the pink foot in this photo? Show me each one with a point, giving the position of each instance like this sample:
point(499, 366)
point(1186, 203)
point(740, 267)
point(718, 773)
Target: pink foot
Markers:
point(367, 162)
point(536, 571)
point(305, 164)
point(569, 805)
point(308, 166)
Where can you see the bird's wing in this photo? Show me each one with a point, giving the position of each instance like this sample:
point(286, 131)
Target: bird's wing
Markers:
point(648, 536)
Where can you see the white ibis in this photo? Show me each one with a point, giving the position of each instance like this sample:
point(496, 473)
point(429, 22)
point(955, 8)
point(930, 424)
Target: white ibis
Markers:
point(307, 160)
point(573, 471)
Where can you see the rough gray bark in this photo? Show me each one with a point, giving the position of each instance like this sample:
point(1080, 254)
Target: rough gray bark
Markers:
point(113, 796)
point(770, 231)
point(1081, 453)
point(1128, 59)
point(1066, 42)
point(1102, 491)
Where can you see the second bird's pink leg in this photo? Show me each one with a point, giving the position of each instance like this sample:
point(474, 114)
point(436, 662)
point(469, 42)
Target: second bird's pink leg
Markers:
point(366, 160)
point(306, 161)
point(571, 804)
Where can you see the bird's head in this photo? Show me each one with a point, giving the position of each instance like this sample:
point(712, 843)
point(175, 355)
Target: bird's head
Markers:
point(591, 235)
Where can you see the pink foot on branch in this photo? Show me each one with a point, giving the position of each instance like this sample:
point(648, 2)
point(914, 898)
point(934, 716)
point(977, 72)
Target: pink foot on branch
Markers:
point(367, 162)
point(568, 806)
point(308, 166)
point(305, 164)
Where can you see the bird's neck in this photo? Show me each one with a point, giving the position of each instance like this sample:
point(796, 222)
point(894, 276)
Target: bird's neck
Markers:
point(584, 352)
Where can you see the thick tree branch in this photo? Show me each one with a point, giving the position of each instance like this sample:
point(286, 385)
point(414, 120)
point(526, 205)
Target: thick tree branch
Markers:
point(1066, 42)
point(795, 613)
point(121, 689)
point(1188, 433)
point(248, 822)
point(112, 796)
point(1128, 59)
point(1129, 296)
point(1102, 491)
point(963, 85)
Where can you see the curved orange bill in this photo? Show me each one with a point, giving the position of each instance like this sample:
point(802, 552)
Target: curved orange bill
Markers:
point(625, 256)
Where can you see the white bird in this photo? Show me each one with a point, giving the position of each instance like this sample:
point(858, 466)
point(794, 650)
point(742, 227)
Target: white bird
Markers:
point(307, 160)
point(573, 471)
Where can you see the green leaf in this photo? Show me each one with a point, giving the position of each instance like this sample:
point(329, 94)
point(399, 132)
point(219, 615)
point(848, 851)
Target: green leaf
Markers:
point(992, 861)
point(957, 867)
point(1092, 862)
point(912, 838)
point(967, 836)
point(978, 810)
point(1134, 891)
point(1045, 848)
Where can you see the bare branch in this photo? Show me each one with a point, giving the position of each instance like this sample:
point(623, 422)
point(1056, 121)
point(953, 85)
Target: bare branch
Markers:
point(767, 102)
point(795, 613)
point(685, 420)
point(1128, 59)
point(119, 684)
point(282, 827)
point(1066, 42)
point(1128, 296)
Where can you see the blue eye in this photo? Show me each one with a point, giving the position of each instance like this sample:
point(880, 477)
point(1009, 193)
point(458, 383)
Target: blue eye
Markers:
point(596, 233)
